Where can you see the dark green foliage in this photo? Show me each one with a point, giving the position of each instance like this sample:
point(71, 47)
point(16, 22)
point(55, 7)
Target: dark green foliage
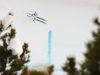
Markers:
point(25, 71)
point(92, 55)
point(10, 64)
point(69, 66)
point(82, 70)
point(96, 21)
point(50, 69)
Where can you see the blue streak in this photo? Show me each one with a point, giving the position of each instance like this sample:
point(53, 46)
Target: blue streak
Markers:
point(49, 46)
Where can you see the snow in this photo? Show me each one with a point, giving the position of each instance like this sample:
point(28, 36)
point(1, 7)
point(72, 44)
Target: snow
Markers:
point(44, 70)
point(15, 46)
point(26, 56)
point(65, 17)
point(7, 21)
point(58, 73)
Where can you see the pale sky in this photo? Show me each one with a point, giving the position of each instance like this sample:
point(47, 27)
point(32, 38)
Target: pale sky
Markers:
point(71, 23)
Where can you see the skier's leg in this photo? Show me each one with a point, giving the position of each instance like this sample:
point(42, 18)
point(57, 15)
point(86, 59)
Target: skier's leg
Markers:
point(41, 18)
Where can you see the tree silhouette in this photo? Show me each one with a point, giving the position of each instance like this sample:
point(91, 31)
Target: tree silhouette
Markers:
point(69, 66)
point(50, 69)
point(92, 55)
point(9, 63)
point(82, 70)
point(25, 71)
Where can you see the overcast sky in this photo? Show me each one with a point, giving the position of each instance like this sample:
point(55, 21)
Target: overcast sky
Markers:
point(71, 23)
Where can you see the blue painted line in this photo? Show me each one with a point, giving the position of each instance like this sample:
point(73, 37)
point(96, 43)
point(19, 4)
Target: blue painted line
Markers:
point(49, 46)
